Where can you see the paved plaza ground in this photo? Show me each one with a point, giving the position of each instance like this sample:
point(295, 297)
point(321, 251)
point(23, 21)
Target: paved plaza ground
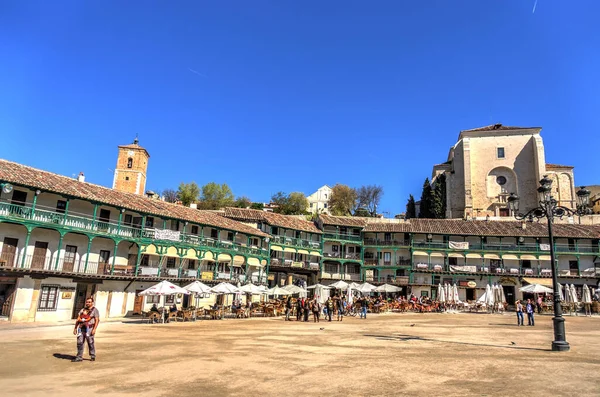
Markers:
point(385, 355)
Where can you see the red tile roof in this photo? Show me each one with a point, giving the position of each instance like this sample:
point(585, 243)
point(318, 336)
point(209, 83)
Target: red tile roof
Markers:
point(19, 174)
point(499, 127)
point(343, 220)
point(552, 166)
point(271, 218)
point(387, 227)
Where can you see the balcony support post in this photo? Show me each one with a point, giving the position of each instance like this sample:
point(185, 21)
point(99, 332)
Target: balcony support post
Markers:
point(25, 248)
point(112, 267)
point(94, 218)
point(120, 221)
point(138, 260)
point(87, 254)
point(35, 196)
point(66, 211)
point(60, 241)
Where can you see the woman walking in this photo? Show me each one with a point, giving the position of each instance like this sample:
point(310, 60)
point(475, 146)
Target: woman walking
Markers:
point(519, 314)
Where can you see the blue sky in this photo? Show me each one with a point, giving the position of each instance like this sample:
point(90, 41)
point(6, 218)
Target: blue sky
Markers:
point(291, 95)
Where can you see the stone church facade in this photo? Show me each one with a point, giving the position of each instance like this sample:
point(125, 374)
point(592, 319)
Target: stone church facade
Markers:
point(487, 164)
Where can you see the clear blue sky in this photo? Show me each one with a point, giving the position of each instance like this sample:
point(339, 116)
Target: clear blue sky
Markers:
point(290, 95)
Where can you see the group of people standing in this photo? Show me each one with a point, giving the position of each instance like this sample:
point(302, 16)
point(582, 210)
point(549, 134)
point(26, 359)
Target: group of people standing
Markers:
point(529, 309)
point(305, 306)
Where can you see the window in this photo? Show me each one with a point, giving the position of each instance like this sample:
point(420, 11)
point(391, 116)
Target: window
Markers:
point(152, 298)
point(387, 256)
point(325, 195)
point(311, 205)
point(387, 236)
point(174, 225)
point(573, 265)
point(330, 268)
point(169, 299)
point(229, 236)
point(325, 205)
point(130, 163)
point(48, 298)
point(274, 231)
point(501, 180)
point(104, 256)
point(149, 221)
point(145, 260)
point(297, 234)
point(525, 264)
point(19, 197)
point(255, 242)
point(171, 262)
point(500, 152)
point(194, 229)
point(214, 234)
point(104, 216)
point(61, 206)
point(192, 264)
point(334, 248)
point(452, 262)
point(129, 220)
point(126, 178)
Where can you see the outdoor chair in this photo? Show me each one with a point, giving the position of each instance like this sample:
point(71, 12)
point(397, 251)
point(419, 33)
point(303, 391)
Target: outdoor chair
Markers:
point(153, 317)
point(172, 315)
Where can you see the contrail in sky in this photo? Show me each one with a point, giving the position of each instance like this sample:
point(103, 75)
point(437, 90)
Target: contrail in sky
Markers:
point(534, 5)
point(198, 73)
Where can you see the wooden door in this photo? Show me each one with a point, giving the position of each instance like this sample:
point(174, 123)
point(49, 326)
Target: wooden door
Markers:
point(504, 212)
point(80, 295)
point(6, 303)
point(9, 252)
point(104, 218)
point(18, 197)
point(39, 255)
point(69, 261)
point(138, 303)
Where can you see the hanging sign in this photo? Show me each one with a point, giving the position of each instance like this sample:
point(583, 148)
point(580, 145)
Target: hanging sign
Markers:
point(458, 245)
point(165, 234)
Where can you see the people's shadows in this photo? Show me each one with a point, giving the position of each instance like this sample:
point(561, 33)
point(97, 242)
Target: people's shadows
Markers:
point(64, 356)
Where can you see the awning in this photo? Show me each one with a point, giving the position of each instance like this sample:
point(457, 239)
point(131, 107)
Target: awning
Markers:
point(150, 250)
point(528, 258)
point(238, 260)
point(546, 282)
point(491, 256)
point(315, 253)
point(476, 256)
point(510, 256)
point(287, 249)
point(224, 258)
point(172, 252)
point(305, 252)
point(209, 257)
point(455, 255)
point(545, 257)
point(191, 254)
point(420, 253)
point(253, 262)
point(436, 255)
point(276, 248)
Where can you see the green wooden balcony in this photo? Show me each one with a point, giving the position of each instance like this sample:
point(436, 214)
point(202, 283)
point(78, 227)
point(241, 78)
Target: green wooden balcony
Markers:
point(26, 214)
point(344, 237)
point(296, 242)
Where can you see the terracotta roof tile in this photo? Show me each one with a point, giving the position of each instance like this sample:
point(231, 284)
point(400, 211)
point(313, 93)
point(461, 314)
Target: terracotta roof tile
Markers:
point(343, 220)
point(271, 218)
point(552, 166)
point(388, 227)
point(19, 174)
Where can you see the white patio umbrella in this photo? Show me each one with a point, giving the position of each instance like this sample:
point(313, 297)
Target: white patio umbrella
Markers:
point(197, 288)
point(455, 293)
point(441, 294)
point(561, 295)
point(164, 288)
point(339, 285)
point(568, 296)
point(536, 289)
point(388, 288)
point(354, 285)
point(587, 296)
point(502, 296)
point(317, 286)
point(224, 289)
point(365, 288)
point(252, 289)
point(489, 298)
point(449, 295)
point(574, 294)
point(294, 289)
point(277, 291)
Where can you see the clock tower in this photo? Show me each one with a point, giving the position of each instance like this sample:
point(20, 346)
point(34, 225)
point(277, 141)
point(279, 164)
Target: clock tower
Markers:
point(130, 173)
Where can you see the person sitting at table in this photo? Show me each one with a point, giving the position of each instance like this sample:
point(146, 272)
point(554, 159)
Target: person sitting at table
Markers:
point(154, 308)
point(173, 308)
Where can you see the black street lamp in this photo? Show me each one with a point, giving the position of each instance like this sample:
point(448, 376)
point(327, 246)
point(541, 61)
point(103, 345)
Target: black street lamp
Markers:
point(550, 209)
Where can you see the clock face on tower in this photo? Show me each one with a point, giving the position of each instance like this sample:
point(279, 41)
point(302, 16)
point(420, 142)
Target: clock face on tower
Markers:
point(130, 153)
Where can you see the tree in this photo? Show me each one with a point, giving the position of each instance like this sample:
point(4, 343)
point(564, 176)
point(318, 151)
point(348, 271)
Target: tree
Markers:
point(257, 206)
point(188, 193)
point(343, 200)
point(169, 195)
point(295, 203)
point(362, 212)
point(368, 198)
point(425, 210)
point(411, 208)
point(215, 196)
point(438, 207)
point(242, 202)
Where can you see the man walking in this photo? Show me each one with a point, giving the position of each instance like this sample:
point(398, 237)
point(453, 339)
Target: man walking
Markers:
point(87, 333)
point(530, 309)
point(288, 308)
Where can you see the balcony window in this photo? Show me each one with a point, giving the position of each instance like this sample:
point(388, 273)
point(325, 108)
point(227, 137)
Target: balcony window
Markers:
point(61, 206)
point(194, 230)
point(214, 234)
point(334, 248)
point(149, 221)
point(500, 152)
point(526, 264)
point(171, 262)
point(452, 261)
point(274, 230)
point(191, 264)
point(128, 220)
point(229, 236)
point(19, 197)
point(330, 268)
point(387, 237)
point(174, 225)
point(387, 256)
point(573, 267)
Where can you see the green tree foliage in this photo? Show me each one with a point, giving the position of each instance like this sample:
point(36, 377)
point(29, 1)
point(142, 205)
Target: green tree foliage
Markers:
point(368, 197)
point(215, 196)
point(257, 206)
point(188, 193)
point(295, 203)
point(169, 195)
point(363, 212)
point(425, 210)
point(242, 202)
point(438, 201)
point(343, 200)
point(411, 208)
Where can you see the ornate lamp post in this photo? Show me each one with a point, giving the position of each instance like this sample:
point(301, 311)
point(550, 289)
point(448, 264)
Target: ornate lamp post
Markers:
point(550, 209)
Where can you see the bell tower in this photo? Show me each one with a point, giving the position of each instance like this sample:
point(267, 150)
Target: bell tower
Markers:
point(130, 173)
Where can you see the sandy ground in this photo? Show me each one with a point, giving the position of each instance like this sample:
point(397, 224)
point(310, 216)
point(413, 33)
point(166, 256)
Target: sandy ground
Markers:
point(385, 355)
